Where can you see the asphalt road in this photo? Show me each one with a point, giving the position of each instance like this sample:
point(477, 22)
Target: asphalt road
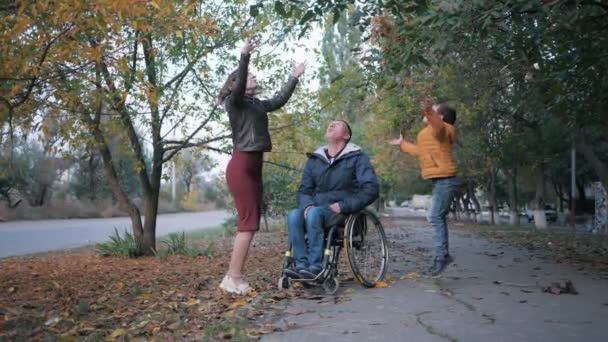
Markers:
point(27, 237)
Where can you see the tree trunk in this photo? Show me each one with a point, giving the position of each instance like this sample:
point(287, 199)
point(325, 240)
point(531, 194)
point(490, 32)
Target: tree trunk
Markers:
point(492, 191)
point(513, 205)
point(540, 219)
point(600, 168)
point(471, 193)
point(148, 240)
point(559, 191)
point(92, 191)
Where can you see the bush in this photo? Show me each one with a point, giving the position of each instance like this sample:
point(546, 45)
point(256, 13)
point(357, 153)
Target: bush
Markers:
point(123, 246)
point(191, 201)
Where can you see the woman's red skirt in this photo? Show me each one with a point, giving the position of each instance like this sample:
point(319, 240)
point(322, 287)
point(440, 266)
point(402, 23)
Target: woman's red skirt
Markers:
point(244, 178)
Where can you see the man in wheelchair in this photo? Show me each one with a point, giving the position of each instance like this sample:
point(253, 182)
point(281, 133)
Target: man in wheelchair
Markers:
point(338, 180)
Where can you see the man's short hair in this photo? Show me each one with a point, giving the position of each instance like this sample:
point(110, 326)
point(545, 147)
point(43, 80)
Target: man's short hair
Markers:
point(350, 131)
point(448, 113)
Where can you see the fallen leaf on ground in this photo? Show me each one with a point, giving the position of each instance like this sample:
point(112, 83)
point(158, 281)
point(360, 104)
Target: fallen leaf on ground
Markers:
point(557, 288)
point(349, 291)
point(192, 302)
point(411, 275)
point(381, 284)
point(239, 303)
point(256, 332)
point(117, 333)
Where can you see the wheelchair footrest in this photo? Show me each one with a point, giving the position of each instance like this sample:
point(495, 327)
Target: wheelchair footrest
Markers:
point(291, 274)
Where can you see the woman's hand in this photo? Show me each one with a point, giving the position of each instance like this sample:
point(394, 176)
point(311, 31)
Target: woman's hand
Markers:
point(298, 69)
point(249, 46)
point(397, 141)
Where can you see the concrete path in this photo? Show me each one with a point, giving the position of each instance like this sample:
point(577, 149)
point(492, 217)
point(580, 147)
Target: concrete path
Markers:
point(491, 293)
point(26, 237)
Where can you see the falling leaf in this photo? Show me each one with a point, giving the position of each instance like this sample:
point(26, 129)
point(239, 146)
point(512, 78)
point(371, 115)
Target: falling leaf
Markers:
point(381, 285)
point(11, 289)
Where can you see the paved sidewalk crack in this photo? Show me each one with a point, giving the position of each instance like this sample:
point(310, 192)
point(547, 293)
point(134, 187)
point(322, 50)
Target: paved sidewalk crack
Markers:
point(430, 329)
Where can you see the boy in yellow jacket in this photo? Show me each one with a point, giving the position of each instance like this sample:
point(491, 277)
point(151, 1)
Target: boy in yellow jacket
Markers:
point(434, 151)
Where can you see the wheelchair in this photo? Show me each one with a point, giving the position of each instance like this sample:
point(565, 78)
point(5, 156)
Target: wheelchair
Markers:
point(364, 241)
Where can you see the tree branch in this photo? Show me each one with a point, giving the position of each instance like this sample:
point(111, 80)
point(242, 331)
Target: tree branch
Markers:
point(119, 106)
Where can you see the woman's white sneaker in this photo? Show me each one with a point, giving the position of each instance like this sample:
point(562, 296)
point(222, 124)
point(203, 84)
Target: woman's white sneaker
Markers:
point(229, 285)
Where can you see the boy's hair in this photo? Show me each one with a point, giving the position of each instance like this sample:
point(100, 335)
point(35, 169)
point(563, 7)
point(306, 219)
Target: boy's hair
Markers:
point(448, 113)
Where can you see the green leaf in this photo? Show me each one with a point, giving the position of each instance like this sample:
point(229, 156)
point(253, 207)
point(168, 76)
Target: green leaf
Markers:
point(254, 10)
point(306, 18)
point(280, 9)
point(336, 16)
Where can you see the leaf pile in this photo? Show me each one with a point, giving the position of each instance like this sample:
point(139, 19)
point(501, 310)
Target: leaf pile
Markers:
point(80, 296)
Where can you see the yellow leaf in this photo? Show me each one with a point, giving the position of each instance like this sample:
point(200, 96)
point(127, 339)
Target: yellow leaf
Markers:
point(349, 291)
point(120, 285)
point(252, 293)
point(11, 289)
point(389, 277)
point(192, 302)
point(117, 333)
point(381, 284)
point(147, 296)
point(239, 303)
point(411, 275)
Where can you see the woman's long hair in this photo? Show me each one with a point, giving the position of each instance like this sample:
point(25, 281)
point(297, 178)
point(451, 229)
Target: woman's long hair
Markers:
point(227, 88)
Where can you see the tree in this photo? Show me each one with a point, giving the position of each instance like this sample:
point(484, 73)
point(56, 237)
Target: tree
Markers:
point(137, 70)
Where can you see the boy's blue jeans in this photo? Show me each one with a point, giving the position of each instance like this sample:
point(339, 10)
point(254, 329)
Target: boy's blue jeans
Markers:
point(444, 190)
point(313, 227)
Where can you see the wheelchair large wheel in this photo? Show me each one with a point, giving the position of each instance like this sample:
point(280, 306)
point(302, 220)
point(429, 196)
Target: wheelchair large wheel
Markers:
point(366, 248)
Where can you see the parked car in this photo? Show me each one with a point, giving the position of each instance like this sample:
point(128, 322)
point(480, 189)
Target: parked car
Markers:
point(550, 213)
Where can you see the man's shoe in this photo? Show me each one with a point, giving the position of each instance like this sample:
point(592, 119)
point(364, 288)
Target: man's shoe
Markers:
point(439, 265)
point(289, 273)
point(311, 273)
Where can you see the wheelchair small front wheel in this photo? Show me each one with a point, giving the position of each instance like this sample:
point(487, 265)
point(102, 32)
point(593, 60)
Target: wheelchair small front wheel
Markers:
point(330, 285)
point(283, 283)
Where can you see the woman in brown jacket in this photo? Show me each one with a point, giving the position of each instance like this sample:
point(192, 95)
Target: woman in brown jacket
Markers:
point(248, 117)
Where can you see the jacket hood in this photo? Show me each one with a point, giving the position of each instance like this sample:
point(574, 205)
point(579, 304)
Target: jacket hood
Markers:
point(349, 148)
